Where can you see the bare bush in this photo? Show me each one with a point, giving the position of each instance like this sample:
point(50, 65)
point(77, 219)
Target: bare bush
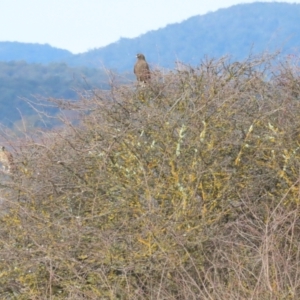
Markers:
point(187, 188)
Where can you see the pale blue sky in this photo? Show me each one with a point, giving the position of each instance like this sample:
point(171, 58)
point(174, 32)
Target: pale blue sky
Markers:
point(81, 25)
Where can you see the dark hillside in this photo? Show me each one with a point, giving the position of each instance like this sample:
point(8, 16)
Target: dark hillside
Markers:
point(19, 81)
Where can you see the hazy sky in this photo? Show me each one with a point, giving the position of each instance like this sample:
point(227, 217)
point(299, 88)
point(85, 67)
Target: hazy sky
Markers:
point(81, 25)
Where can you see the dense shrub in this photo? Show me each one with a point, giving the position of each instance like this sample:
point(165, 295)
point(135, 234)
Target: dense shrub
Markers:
point(187, 188)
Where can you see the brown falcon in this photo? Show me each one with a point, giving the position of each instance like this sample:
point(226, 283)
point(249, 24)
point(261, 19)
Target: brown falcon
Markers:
point(141, 69)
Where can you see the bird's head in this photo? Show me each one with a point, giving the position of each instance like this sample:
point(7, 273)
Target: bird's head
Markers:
point(140, 56)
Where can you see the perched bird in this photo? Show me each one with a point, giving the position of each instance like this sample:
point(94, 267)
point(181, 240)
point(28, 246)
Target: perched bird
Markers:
point(141, 69)
point(6, 160)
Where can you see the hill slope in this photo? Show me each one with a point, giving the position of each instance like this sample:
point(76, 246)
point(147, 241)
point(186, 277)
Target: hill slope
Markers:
point(31, 53)
point(231, 31)
point(236, 30)
point(19, 80)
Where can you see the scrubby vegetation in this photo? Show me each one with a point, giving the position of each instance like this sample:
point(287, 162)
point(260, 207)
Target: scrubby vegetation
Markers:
point(187, 188)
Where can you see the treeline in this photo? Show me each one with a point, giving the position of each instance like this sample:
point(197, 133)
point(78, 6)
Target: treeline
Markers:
point(20, 81)
point(235, 31)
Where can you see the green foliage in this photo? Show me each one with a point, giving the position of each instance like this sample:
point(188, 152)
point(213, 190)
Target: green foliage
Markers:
point(187, 188)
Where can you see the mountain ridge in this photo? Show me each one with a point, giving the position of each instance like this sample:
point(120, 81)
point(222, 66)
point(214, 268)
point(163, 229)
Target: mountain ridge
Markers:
point(31, 52)
point(237, 31)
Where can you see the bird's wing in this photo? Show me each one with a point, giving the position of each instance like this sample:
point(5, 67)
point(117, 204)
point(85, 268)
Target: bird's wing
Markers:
point(143, 65)
point(134, 69)
point(147, 66)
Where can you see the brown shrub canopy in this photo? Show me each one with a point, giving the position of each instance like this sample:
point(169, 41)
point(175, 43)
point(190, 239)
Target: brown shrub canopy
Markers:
point(185, 189)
